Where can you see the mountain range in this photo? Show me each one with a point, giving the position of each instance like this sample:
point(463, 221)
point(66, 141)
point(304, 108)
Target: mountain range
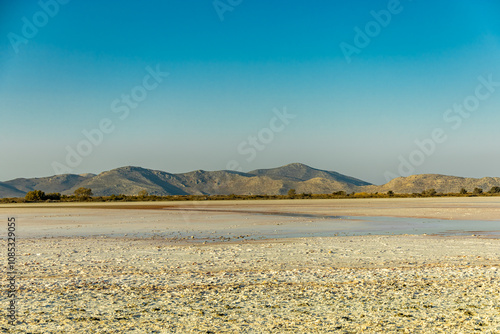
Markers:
point(304, 179)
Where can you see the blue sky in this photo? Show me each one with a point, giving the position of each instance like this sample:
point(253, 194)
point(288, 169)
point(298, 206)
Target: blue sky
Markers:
point(359, 116)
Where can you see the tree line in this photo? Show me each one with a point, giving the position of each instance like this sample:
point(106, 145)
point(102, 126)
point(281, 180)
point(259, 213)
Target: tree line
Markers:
point(85, 195)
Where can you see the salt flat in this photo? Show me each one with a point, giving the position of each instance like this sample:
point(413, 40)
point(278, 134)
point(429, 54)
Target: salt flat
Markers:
point(79, 271)
point(257, 219)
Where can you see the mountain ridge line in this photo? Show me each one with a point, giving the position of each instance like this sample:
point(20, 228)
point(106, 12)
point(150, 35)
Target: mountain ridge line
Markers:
point(130, 180)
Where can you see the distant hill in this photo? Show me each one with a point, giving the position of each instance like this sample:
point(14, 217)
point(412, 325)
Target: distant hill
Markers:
point(229, 182)
point(7, 190)
point(130, 180)
point(52, 184)
point(441, 183)
point(297, 172)
point(274, 181)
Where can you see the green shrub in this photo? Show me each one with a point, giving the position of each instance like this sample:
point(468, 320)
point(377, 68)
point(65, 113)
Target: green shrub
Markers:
point(477, 191)
point(83, 193)
point(35, 196)
point(53, 196)
point(494, 190)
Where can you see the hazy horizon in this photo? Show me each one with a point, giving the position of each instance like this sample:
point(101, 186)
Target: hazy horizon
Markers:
point(372, 89)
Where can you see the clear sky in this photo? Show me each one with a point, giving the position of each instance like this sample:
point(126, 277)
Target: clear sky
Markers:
point(356, 84)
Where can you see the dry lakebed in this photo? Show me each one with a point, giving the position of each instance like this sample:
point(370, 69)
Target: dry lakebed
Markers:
point(422, 265)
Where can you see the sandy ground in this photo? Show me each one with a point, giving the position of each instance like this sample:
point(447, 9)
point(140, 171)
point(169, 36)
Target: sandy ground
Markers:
point(157, 280)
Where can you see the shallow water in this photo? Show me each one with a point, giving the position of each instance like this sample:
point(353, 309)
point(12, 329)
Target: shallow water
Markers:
point(402, 225)
point(362, 225)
